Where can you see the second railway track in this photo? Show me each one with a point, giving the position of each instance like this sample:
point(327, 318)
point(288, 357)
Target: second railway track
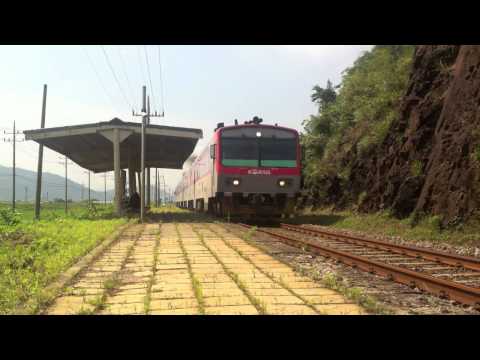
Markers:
point(446, 275)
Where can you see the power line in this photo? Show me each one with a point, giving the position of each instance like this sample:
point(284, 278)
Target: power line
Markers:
point(115, 76)
point(126, 75)
point(161, 80)
point(149, 75)
point(141, 65)
point(99, 79)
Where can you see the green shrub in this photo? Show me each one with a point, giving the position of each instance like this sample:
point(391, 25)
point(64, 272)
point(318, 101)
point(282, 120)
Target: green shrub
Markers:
point(9, 217)
point(416, 168)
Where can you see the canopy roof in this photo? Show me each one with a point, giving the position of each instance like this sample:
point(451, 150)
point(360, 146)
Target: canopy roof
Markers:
point(90, 146)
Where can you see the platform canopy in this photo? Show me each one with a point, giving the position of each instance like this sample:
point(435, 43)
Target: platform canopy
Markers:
point(90, 145)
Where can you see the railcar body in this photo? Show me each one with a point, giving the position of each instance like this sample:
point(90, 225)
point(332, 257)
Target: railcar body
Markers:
point(246, 170)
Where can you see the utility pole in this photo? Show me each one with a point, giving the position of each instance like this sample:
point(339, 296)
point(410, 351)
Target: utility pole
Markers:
point(89, 198)
point(65, 162)
point(145, 114)
point(105, 187)
point(66, 183)
point(40, 158)
point(81, 191)
point(14, 141)
point(148, 169)
point(26, 194)
point(156, 187)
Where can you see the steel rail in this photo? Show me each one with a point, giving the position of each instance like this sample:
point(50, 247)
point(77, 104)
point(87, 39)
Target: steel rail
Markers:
point(409, 250)
point(443, 288)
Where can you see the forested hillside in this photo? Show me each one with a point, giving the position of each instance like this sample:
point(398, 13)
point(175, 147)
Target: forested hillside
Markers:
point(399, 134)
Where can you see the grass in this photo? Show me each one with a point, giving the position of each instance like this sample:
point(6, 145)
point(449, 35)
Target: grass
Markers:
point(33, 253)
point(425, 229)
point(258, 304)
point(196, 285)
point(271, 276)
point(330, 281)
point(148, 296)
point(355, 294)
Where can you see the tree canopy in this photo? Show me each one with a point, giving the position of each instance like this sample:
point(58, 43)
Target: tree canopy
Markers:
point(356, 114)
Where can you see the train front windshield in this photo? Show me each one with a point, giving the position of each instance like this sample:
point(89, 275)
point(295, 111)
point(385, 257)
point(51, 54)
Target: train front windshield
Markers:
point(259, 147)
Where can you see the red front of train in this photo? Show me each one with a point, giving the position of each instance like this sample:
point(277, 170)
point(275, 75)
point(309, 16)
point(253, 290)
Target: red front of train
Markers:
point(249, 169)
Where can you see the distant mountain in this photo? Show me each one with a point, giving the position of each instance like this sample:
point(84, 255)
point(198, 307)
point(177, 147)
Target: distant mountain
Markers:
point(52, 184)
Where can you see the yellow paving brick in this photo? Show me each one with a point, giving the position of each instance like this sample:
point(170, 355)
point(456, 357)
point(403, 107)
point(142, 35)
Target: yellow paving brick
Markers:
point(318, 291)
point(270, 292)
point(340, 309)
point(89, 284)
point(126, 299)
point(189, 311)
point(231, 310)
point(69, 305)
point(326, 299)
point(226, 301)
point(303, 285)
point(139, 291)
point(166, 280)
point(185, 294)
point(171, 287)
point(290, 310)
point(85, 291)
point(219, 285)
point(264, 285)
point(124, 309)
point(221, 292)
point(169, 304)
point(280, 300)
point(133, 286)
point(171, 267)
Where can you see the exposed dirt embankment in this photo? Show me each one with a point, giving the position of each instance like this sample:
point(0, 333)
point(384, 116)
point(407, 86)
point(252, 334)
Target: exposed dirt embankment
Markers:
point(430, 160)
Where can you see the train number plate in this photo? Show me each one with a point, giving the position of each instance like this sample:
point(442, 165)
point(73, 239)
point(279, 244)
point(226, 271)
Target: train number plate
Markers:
point(259, 172)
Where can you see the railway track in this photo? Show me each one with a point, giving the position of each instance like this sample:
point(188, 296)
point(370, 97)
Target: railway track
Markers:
point(446, 275)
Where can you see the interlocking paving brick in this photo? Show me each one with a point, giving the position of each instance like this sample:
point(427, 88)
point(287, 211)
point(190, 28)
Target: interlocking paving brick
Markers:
point(189, 311)
point(290, 310)
point(170, 304)
point(231, 310)
point(233, 277)
point(340, 309)
point(227, 300)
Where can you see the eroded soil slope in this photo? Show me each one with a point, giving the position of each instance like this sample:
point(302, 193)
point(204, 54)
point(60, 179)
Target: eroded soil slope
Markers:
point(430, 160)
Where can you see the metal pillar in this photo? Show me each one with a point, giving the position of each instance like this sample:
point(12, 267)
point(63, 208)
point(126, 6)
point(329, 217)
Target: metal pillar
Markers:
point(117, 171)
point(148, 169)
point(40, 158)
point(142, 160)
point(132, 186)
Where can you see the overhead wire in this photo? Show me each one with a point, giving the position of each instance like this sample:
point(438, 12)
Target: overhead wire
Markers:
point(112, 102)
point(132, 94)
point(140, 61)
point(115, 77)
point(149, 76)
point(161, 80)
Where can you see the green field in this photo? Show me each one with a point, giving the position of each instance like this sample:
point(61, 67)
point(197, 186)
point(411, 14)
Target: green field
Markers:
point(33, 253)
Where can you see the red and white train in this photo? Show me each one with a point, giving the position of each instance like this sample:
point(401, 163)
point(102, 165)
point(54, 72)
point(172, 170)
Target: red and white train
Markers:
point(246, 170)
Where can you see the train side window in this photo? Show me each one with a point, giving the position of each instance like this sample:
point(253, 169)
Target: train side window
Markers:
point(212, 151)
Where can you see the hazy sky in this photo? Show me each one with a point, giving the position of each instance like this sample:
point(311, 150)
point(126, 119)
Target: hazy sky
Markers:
point(203, 85)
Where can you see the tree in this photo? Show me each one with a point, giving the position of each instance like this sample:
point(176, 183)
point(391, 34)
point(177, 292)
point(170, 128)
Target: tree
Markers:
point(324, 97)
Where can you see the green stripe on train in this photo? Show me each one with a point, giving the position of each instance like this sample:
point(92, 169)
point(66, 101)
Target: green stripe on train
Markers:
point(279, 163)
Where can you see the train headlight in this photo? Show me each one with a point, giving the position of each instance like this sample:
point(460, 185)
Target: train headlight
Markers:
point(236, 182)
point(259, 134)
point(282, 183)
